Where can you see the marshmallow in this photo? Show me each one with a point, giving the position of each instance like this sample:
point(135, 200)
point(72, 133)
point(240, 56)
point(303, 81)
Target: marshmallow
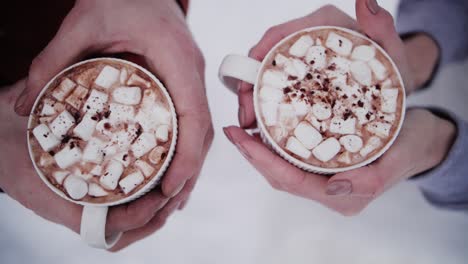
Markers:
point(278, 133)
point(46, 160)
point(296, 147)
point(390, 118)
point(123, 138)
point(307, 135)
point(77, 96)
point(47, 108)
point(296, 68)
point(362, 115)
point(76, 187)
point(124, 158)
point(327, 149)
point(85, 128)
point(300, 47)
point(321, 111)
point(149, 99)
point(144, 167)
point(157, 154)
point(363, 53)
point(85, 176)
point(131, 181)
point(58, 107)
point(84, 78)
point(344, 158)
point(59, 176)
point(341, 126)
point(46, 119)
point(68, 156)
point(318, 42)
point(96, 171)
point(138, 81)
point(271, 94)
point(361, 72)
point(96, 190)
point(63, 89)
point(151, 118)
point(93, 151)
point(341, 66)
point(378, 69)
point(379, 129)
point(386, 84)
point(121, 113)
point(276, 79)
point(339, 44)
point(389, 100)
point(143, 144)
point(110, 150)
point(44, 136)
point(127, 95)
point(111, 176)
point(104, 127)
point(351, 143)
point(317, 57)
point(96, 102)
point(162, 133)
point(313, 120)
point(372, 144)
point(339, 108)
point(123, 76)
point(280, 60)
point(107, 77)
point(270, 113)
point(61, 124)
point(301, 108)
point(287, 117)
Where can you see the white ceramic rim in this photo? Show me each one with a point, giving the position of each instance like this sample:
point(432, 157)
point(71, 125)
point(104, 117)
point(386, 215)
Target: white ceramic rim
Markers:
point(264, 132)
point(149, 185)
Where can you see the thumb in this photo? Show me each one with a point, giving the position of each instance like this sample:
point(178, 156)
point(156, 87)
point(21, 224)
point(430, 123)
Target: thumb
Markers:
point(67, 47)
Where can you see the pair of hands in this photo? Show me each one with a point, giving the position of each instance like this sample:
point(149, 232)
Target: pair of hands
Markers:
point(422, 144)
point(151, 33)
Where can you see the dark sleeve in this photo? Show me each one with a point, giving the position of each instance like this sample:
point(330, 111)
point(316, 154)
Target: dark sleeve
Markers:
point(445, 21)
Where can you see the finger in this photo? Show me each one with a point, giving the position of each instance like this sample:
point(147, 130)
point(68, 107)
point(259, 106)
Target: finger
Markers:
point(69, 45)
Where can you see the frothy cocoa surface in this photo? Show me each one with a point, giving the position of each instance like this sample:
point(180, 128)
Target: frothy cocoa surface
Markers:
point(104, 123)
point(329, 98)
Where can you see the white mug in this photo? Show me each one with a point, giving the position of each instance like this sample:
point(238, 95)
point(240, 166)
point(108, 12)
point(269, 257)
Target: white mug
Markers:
point(238, 67)
point(93, 219)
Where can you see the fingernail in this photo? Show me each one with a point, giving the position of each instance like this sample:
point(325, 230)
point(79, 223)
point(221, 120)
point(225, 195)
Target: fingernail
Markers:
point(21, 101)
point(228, 134)
point(241, 115)
point(373, 6)
point(182, 205)
point(177, 190)
point(243, 151)
point(339, 187)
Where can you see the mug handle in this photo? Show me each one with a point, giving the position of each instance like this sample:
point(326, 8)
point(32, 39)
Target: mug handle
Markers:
point(93, 227)
point(238, 67)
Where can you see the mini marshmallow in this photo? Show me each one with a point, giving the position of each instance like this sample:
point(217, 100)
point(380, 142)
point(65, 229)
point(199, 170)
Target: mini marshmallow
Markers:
point(339, 108)
point(157, 154)
point(296, 68)
point(143, 144)
point(61, 124)
point(123, 138)
point(278, 133)
point(296, 147)
point(151, 118)
point(300, 47)
point(313, 120)
point(46, 160)
point(378, 69)
point(75, 99)
point(85, 176)
point(271, 94)
point(63, 89)
point(287, 117)
point(110, 150)
point(93, 152)
point(46, 119)
point(96, 102)
point(361, 72)
point(379, 129)
point(149, 99)
point(96, 171)
point(84, 78)
point(111, 176)
point(76, 187)
point(363, 53)
point(45, 137)
point(162, 133)
point(96, 191)
point(342, 66)
point(86, 127)
point(47, 108)
point(389, 100)
point(307, 135)
point(351, 143)
point(372, 144)
point(124, 158)
point(123, 76)
point(144, 167)
point(390, 118)
point(127, 95)
point(339, 44)
point(161, 115)
point(321, 111)
point(386, 84)
point(131, 181)
point(341, 126)
point(104, 127)
point(121, 113)
point(301, 108)
point(276, 79)
point(344, 158)
point(59, 176)
point(107, 77)
point(316, 57)
point(270, 113)
point(68, 156)
point(362, 114)
point(280, 60)
point(327, 149)
point(135, 79)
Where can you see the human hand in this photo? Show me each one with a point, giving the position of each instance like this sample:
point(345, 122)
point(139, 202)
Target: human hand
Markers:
point(155, 35)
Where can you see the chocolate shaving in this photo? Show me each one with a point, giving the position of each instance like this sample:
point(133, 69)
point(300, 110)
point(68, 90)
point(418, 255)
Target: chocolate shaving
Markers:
point(292, 78)
point(286, 90)
point(378, 87)
point(341, 42)
point(312, 62)
point(309, 76)
point(345, 96)
point(65, 139)
point(347, 114)
point(107, 126)
point(365, 89)
point(124, 158)
point(360, 103)
point(274, 63)
point(368, 115)
point(332, 67)
point(297, 85)
point(52, 153)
